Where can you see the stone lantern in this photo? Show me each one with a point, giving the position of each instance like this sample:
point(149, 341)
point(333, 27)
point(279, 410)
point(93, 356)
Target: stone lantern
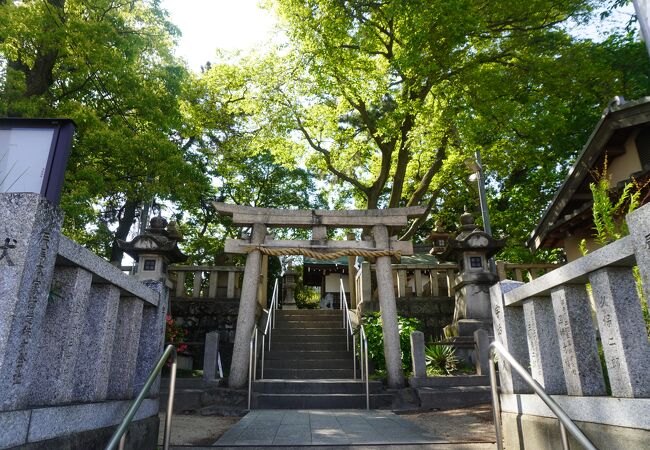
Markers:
point(154, 250)
point(471, 249)
point(289, 282)
point(438, 239)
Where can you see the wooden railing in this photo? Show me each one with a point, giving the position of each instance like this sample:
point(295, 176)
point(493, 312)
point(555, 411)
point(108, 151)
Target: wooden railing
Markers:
point(523, 272)
point(198, 282)
point(410, 280)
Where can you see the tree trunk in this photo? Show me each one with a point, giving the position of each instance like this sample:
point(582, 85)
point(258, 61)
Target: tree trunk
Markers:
point(124, 226)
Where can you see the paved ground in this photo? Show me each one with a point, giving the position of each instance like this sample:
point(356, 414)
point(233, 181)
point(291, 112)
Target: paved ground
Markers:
point(466, 427)
point(324, 427)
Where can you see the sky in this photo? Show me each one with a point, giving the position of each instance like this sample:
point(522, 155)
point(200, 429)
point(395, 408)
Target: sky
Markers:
point(208, 25)
point(226, 24)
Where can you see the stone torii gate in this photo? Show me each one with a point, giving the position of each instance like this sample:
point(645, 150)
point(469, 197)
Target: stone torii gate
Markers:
point(379, 246)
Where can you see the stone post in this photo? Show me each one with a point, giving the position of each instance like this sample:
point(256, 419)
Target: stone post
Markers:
point(247, 309)
point(124, 355)
point(29, 240)
point(622, 331)
point(210, 355)
point(152, 337)
point(93, 365)
point(59, 345)
point(352, 274)
point(482, 340)
point(417, 355)
point(510, 330)
point(388, 307)
point(543, 347)
point(638, 222)
point(578, 348)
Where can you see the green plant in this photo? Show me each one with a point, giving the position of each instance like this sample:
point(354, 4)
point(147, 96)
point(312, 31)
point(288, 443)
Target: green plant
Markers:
point(608, 223)
point(440, 359)
point(374, 333)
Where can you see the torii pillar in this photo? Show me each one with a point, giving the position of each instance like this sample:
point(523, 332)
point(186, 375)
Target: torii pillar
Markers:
point(319, 245)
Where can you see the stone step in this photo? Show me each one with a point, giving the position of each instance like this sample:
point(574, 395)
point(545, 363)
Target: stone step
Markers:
point(289, 373)
point(293, 324)
point(320, 401)
point(309, 363)
point(309, 346)
point(309, 313)
point(323, 386)
point(308, 338)
point(308, 331)
point(431, 446)
point(453, 397)
point(298, 354)
point(449, 381)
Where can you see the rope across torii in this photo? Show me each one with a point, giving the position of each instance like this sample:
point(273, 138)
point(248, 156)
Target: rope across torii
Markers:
point(379, 246)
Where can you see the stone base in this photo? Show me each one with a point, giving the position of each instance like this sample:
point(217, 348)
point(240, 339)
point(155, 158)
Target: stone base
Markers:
point(467, 327)
point(289, 306)
point(142, 435)
point(523, 431)
point(80, 426)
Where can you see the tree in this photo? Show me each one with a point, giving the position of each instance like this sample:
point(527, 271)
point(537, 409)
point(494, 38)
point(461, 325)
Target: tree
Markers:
point(108, 65)
point(224, 117)
point(388, 97)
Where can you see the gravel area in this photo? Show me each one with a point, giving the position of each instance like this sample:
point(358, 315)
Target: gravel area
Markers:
point(473, 424)
point(190, 429)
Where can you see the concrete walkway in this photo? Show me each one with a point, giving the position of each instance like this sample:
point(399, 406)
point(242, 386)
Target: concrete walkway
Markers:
point(324, 428)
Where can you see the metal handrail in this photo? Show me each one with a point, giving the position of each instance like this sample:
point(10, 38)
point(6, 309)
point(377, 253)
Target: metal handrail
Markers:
point(252, 355)
point(565, 421)
point(120, 434)
point(363, 351)
point(270, 324)
point(252, 363)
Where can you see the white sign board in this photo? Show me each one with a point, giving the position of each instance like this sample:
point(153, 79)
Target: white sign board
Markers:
point(23, 158)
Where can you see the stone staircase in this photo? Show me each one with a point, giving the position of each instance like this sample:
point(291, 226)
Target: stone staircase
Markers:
point(309, 366)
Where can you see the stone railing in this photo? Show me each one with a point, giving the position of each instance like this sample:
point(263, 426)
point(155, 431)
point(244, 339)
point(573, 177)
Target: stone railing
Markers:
point(547, 325)
point(78, 337)
point(523, 272)
point(201, 282)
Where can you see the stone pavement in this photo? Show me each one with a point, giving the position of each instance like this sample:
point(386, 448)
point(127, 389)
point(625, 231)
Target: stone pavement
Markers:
point(323, 428)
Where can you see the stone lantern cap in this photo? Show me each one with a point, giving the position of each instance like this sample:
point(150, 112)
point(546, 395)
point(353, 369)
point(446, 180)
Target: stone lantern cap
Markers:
point(156, 240)
point(471, 238)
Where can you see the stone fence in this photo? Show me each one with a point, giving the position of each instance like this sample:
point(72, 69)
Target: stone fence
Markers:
point(206, 282)
point(548, 325)
point(78, 337)
point(523, 272)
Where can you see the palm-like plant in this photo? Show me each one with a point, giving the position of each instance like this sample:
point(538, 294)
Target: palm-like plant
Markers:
point(440, 359)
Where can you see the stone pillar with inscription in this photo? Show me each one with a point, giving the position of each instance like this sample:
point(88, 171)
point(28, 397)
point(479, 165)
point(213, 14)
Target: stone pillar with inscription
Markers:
point(29, 239)
point(289, 287)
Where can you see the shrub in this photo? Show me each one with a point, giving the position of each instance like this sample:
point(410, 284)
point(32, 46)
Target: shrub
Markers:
point(375, 336)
